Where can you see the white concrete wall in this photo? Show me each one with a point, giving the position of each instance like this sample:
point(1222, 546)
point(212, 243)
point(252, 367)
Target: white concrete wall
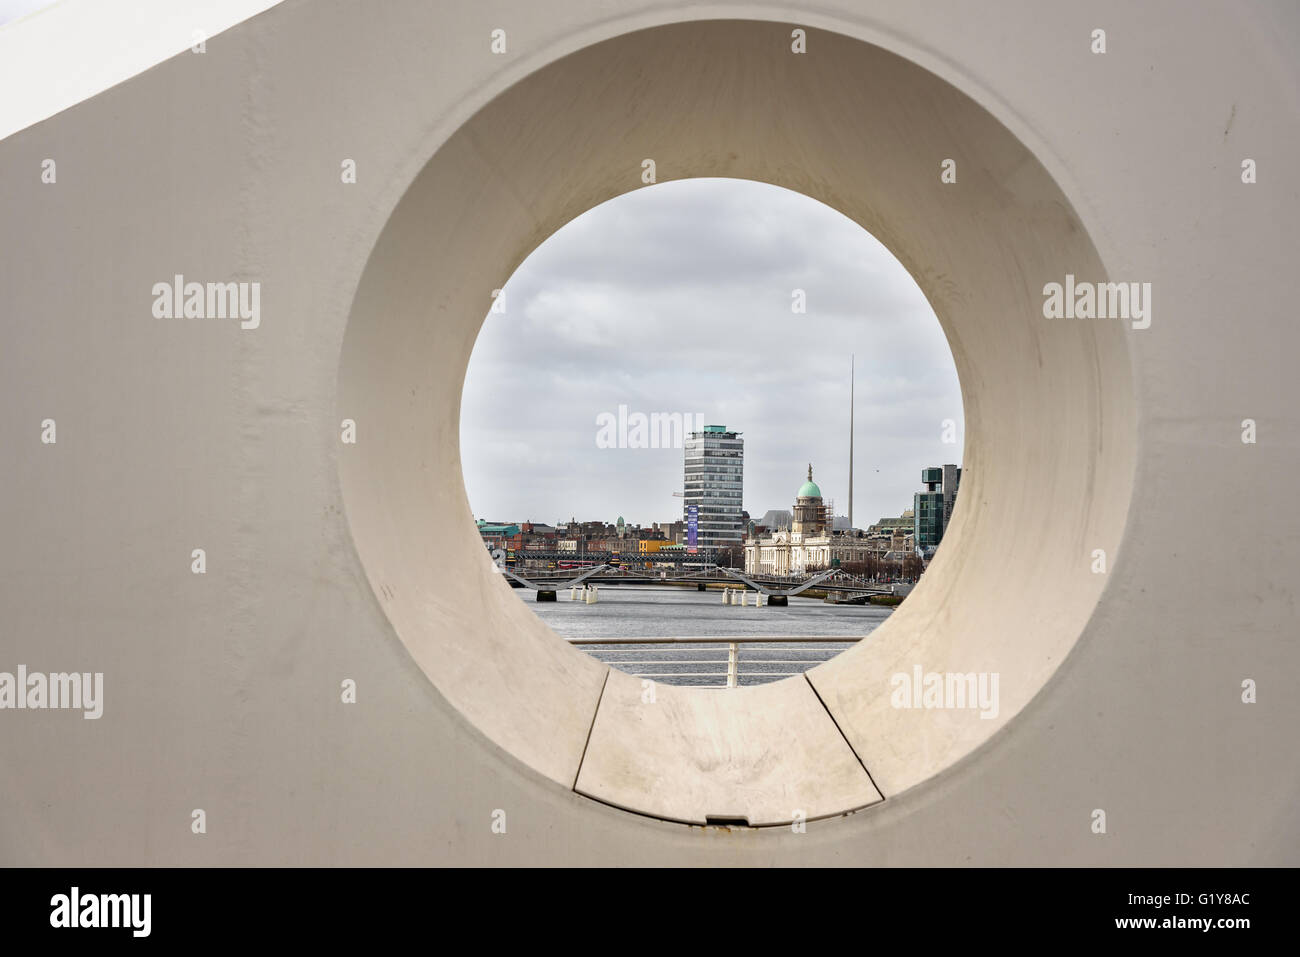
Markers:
point(222, 690)
point(56, 53)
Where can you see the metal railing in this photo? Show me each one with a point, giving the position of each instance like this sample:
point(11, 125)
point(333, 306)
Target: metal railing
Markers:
point(735, 663)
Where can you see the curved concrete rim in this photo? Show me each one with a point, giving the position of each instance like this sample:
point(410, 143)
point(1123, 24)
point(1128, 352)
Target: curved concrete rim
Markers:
point(1049, 413)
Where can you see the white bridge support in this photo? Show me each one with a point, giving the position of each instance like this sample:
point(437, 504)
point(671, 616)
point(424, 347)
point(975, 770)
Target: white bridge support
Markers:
point(1119, 556)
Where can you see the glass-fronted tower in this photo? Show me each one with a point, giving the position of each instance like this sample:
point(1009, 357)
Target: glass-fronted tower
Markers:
point(714, 483)
point(932, 509)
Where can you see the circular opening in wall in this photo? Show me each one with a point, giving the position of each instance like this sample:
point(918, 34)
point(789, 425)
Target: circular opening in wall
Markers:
point(1048, 405)
point(613, 503)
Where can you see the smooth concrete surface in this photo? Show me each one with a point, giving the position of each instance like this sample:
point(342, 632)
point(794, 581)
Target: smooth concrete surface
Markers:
point(1049, 408)
point(328, 561)
point(764, 755)
point(60, 54)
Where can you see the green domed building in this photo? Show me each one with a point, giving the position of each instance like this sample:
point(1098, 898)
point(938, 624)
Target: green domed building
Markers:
point(809, 510)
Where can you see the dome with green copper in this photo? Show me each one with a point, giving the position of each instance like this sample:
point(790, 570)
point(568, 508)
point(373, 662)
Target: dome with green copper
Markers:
point(809, 488)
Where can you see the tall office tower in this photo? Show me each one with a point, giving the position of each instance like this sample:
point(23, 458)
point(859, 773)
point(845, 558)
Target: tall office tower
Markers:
point(951, 479)
point(927, 510)
point(932, 509)
point(714, 483)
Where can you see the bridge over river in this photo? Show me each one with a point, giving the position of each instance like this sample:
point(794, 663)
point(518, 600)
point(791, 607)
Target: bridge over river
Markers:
point(775, 589)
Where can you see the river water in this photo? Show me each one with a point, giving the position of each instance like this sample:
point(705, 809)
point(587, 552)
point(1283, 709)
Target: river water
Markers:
point(629, 611)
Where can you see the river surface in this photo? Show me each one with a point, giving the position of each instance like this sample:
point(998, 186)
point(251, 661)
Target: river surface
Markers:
point(627, 611)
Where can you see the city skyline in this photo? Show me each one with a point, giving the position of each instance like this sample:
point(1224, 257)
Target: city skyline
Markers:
point(679, 298)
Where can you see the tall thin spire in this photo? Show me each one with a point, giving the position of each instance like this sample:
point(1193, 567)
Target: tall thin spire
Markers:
point(852, 369)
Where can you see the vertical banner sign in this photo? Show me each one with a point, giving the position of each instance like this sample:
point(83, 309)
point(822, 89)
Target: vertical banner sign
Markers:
point(692, 524)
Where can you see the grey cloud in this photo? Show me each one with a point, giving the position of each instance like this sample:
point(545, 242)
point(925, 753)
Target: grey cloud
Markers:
point(677, 298)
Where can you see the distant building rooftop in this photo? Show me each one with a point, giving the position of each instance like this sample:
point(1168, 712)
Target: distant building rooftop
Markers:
point(776, 518)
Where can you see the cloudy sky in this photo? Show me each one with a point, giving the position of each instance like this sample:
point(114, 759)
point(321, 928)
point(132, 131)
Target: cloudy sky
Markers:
point(677, 298)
